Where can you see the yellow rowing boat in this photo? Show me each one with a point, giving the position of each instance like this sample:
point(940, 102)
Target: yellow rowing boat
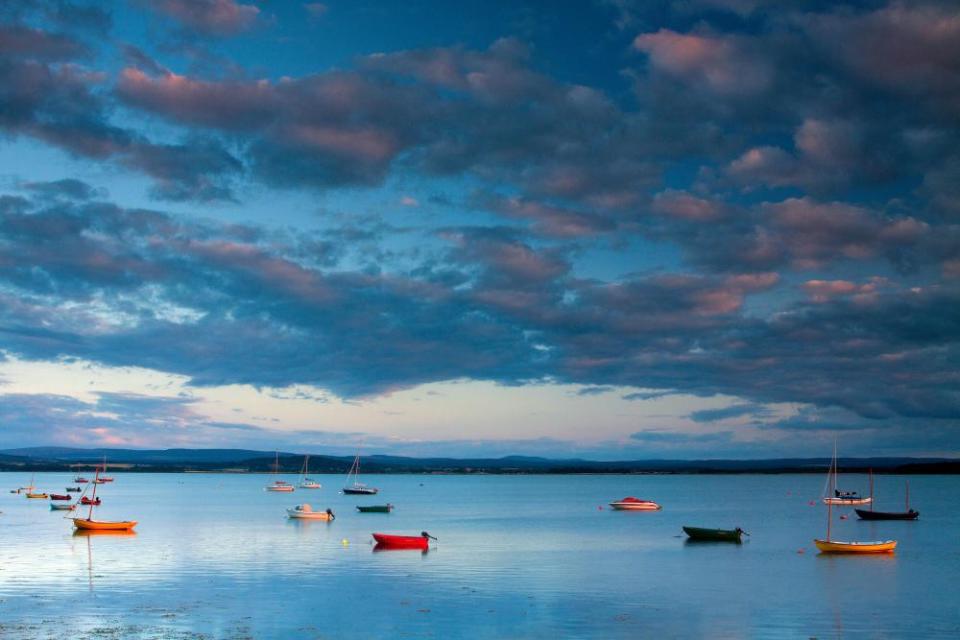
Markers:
point(836, 546)
point(101, 525)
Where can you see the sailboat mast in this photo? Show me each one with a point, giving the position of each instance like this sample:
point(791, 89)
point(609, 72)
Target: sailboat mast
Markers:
point(908, 495)
point(871, 489)
point(832, 473)
point(93, 500)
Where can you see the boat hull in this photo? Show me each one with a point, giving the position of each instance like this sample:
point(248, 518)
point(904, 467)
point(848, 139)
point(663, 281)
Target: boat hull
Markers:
point(37, 496)
point(360, 491)
point(837, 502)
point(635, 506)
point(713, 535)
point(865, 514)
point(100, 525)
point(62, 507)
point(835, 546)
point(280, 489)
point(293, 514)
point(401, 542)
point(379, 508)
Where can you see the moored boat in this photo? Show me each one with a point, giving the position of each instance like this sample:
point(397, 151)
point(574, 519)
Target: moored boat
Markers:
point(714, 535)
point(375, 508)
point(305, 481)
point(836, 546)
point(37, 496)
point(827, 545)
point(80, 480)
point(847, 498)
point(59, 496)
point(421, 541)
point(306, 512)
point(357, 488)
point(866, 514)
point(104, 525)
point(89, 524)
point(62, 507)
point(635, 504)
point(870, 514)
point(74, 489)
point(279, 486)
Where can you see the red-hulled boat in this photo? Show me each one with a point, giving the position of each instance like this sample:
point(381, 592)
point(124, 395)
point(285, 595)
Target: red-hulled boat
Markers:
point(635, 504)
point(421, 541)
point(57, 496)
point(86, 500)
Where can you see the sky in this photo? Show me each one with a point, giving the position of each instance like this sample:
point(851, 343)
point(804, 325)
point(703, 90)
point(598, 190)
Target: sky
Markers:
point(608, 229)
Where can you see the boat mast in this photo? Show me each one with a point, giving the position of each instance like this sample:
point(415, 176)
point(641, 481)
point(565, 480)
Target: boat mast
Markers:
point(93, 500)
point(908, 495)
point(871, 489)
point(832, 474)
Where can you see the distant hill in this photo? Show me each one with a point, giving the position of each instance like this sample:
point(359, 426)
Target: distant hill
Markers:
point(247, 460)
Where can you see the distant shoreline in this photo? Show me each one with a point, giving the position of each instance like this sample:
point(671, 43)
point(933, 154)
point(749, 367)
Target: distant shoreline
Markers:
point(952, 468)
point(247, 461)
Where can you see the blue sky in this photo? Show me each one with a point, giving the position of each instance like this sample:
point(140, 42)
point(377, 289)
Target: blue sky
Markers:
point(610, 229)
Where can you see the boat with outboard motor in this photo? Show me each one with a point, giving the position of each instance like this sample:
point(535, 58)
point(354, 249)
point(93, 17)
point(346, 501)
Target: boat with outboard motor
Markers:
point(306, 512)
point(421, 541)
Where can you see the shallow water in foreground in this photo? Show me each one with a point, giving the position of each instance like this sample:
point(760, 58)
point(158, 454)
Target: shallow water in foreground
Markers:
point(517, 557)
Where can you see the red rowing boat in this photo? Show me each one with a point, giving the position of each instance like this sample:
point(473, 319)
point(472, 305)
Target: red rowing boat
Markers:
point(57, 496)
point(86, 500)
point(421, 541)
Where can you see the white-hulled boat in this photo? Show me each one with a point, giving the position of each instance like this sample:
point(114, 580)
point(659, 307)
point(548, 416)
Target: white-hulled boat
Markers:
point(279, 486)
point(829, 545)
point(635, 504)
point(306, 512)
point(305, 481)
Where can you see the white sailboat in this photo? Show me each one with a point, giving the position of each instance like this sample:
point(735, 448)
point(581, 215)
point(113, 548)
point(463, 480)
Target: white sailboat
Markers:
point(305, 481)
point(827, 545)
point(279, 486)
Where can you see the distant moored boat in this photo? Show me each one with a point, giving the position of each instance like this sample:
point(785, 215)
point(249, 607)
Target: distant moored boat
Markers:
point(635, 504)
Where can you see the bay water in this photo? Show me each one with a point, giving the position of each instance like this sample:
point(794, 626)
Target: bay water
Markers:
point(527, 556)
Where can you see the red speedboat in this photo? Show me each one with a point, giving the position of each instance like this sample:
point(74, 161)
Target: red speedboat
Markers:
point(421, 541)
point(57, 496)
point(86, 500)
point(635, 504)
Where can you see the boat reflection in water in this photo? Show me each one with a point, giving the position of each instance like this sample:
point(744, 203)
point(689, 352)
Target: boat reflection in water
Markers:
point(379, 547)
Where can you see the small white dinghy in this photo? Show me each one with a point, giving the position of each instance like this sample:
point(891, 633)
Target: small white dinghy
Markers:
point(306, 512)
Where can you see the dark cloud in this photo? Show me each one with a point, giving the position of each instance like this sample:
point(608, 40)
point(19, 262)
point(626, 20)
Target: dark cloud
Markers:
point(69, 188)
point(733, 411)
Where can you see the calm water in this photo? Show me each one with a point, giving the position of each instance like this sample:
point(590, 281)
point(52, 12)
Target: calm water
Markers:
point(517, 557)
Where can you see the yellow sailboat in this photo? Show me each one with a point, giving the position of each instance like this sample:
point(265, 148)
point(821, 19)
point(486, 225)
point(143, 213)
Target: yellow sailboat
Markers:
point(89, 524)
point(837, 546)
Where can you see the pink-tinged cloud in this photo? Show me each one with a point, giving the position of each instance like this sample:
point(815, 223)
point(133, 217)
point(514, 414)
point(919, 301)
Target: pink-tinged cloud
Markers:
point(228, 105)
point(906, 47)
point(212, 17)
point(685, 206)
point(553, 221)
point(33, 43)
point(822, 291)
point(718, 64)
point(367, 144)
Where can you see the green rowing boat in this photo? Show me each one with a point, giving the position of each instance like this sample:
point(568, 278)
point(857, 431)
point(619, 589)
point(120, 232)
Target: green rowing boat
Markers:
point(375, 508)
point(716, 535)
